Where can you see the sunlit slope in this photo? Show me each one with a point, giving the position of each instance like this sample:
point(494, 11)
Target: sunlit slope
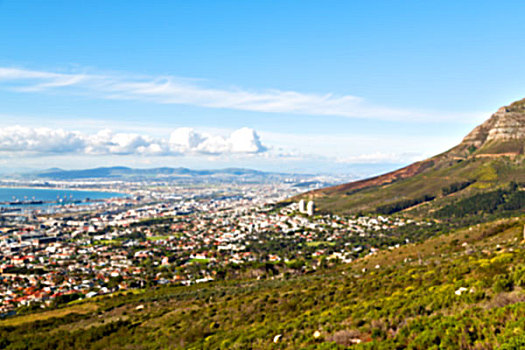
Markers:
point(490, 157)
point(460, 290)
point(483, 174)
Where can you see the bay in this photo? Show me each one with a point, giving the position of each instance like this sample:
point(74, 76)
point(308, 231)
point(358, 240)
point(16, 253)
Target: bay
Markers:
point(10, 194)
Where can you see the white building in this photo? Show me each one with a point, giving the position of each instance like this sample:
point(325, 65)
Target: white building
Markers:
point(301, 206)
point(310, 207)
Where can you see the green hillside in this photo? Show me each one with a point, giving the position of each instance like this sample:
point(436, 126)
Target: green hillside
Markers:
point(490, 157)
point(481, 174)
point(462, 290)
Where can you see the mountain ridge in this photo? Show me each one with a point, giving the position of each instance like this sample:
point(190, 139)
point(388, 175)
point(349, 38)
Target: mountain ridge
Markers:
point(491, 154)
point(122, 171)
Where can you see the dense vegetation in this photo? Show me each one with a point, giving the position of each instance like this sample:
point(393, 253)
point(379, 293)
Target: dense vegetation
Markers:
point(508, 199)
point(462, 290)
point(455, 187)
point(395, 207)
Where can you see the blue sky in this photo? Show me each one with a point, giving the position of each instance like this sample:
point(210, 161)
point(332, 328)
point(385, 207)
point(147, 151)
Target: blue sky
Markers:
point(276, 85)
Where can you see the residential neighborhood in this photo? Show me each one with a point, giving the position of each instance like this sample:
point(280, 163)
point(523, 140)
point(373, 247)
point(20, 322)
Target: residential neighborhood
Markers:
point(158, 235)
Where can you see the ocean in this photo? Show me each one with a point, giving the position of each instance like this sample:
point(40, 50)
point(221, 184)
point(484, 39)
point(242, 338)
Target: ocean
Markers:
point(9, 195)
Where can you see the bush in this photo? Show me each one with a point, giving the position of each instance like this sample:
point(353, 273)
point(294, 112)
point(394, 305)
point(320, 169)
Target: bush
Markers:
point(503, 284)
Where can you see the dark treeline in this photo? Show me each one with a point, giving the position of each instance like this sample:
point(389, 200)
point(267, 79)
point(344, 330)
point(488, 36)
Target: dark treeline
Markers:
point(508, 199)
point(455, 187)
point(403, 204)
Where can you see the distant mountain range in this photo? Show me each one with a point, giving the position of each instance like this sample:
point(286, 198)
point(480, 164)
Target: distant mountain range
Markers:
point(488, 158)
point(125, 172)
point(181, 174)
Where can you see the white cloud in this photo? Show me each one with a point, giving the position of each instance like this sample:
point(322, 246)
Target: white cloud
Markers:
point(184, 139)
point(45, 141)
point(213, 144)
point(171, 90)
point(107, 142)
point(244, 140)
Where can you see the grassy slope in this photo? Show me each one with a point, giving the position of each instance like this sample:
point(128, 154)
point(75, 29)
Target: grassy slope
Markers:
point(84, 308)
point(488, 173)
point(409, 301)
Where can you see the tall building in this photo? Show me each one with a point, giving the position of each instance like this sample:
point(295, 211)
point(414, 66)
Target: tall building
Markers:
point(310, 207)
point(301, 206)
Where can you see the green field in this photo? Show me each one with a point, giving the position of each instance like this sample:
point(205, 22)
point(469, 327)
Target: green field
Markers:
point(158, 238)
point(198, 261)
point(317, 244)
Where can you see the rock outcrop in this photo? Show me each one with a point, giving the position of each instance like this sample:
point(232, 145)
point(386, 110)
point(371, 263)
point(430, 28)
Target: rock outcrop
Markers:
point(504, 126)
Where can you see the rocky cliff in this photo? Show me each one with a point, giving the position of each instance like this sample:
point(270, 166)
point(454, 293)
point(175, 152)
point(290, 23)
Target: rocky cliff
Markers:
point(503, 132)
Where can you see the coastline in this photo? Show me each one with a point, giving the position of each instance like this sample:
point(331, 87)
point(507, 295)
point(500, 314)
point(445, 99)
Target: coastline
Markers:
point(72, 189)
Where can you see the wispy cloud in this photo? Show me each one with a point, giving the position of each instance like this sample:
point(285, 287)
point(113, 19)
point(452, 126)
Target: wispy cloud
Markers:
point(381, 158)
point(182, 141)
point(173, 90)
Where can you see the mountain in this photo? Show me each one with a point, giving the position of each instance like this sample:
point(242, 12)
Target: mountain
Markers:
point(152, 173)
point(503, 134)
point(489, 157)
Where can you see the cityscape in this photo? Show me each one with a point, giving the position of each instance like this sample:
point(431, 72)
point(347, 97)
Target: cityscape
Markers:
point(260, 175)
point(172, 235)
